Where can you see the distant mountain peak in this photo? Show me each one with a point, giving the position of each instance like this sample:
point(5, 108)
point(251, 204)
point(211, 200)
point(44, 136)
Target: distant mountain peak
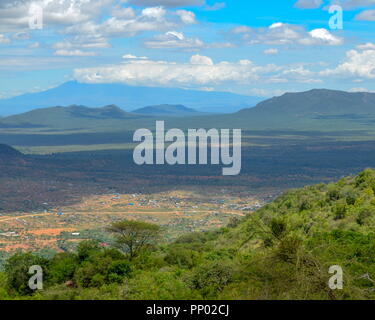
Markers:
point(125, 96)
point(167, 110)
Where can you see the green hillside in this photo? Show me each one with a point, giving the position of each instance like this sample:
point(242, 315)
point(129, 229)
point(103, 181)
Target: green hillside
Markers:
point(74, 118)
point(318, 110)
point(282, 251)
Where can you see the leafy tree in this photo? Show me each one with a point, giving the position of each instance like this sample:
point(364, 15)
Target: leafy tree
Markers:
point(86, 248)
point(103, 266)
point(133, 236)
point(62, 267)
point(212, 277)
point(17, 271)
point(3, 284)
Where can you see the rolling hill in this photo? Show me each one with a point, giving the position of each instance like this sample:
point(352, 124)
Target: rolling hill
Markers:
point(126, 97)
point(318, 102)
point(318, 109)
point(72, 117)
point(314, 110)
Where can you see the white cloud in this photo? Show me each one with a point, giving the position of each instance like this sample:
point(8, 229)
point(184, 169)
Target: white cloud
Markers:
point(92, 18)
point(367, 15)
point(298, 71)
point(133, 57)
point(357, 64)
point(14, 15)
point(4, 39)
point(325, 36)
point(157, 13)
point(124, 13)
point(200, 71)
point(366, 46)
point(150, 19)
point(276, 25)
point(83, 42)
point(241, 29)
point(286, 34)
point(74, 53)
point(175, 40)
point(308, 4)
point(186, 17)
point(271, 51)
point(358, 90)
point(202, 60)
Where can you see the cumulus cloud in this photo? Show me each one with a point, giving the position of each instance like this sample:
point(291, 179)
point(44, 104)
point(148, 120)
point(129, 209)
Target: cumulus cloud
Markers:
point(177, 40)
point(203, 60)
point(98, 18)
point(199, 71)
point(366, 46)
point(308, 4)
point(150, 19)
point(83, 42)
point(357, 64)
point(156, 13)
point(74, 53)
point(324, 36)
point(271, 51)
point(133, 57)
point(286, 34)
point(187, 17)
point(125, 13)
point(174, 40)
point(15, 15)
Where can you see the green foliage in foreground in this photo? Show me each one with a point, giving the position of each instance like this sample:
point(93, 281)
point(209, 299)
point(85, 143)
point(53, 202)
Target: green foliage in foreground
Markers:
point(282, 251)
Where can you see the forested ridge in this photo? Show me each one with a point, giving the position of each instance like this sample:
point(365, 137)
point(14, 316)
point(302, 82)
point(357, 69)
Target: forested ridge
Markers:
point(282, 251)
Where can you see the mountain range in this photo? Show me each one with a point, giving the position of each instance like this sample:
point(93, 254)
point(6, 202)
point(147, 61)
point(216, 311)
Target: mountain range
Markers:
point(318, 109)
point(126, 97)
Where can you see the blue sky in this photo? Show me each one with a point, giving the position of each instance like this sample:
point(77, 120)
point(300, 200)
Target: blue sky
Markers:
point(261, 48)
